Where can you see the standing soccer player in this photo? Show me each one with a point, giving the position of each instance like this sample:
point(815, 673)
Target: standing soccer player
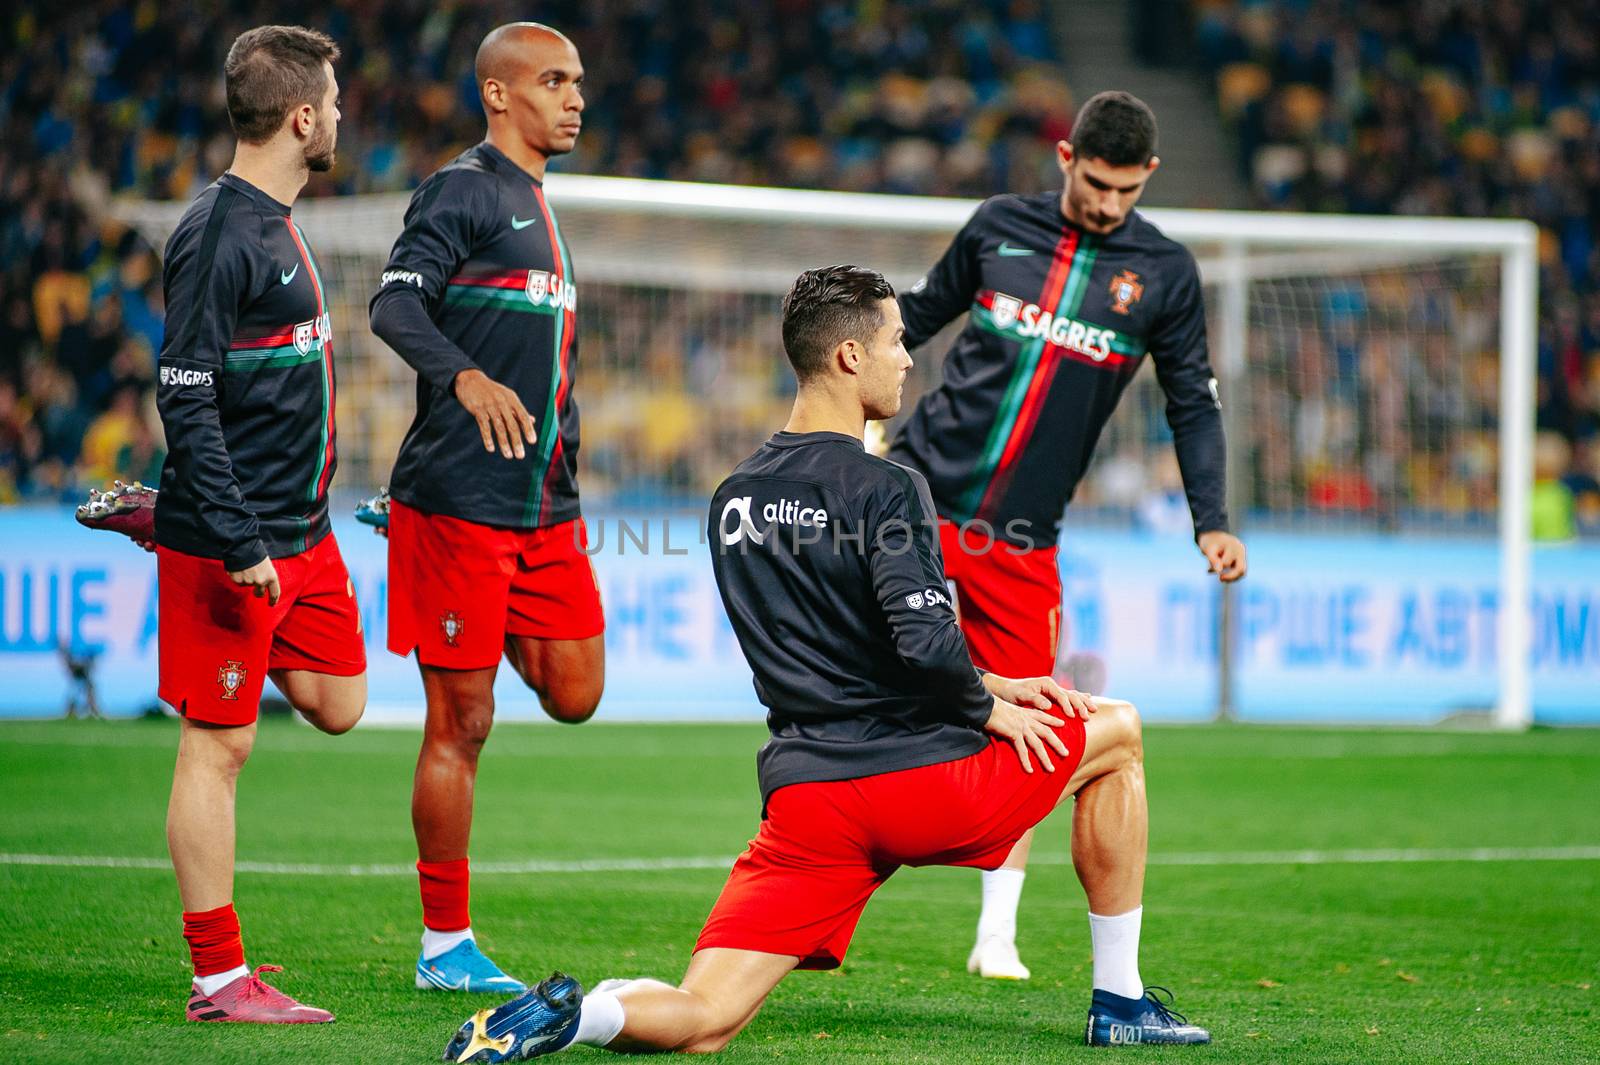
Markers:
point(251, 581)
point(888, 748)
point(1067, 292)
point(485, 539)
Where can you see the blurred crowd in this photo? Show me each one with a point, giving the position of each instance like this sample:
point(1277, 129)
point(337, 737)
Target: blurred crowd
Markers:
point(1373, 396)
point(109, 97)
point(1485, 108)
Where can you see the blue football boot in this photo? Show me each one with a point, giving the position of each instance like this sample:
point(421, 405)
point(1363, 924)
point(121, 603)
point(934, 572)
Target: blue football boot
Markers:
point(465, 968)
point(1118, 1021)
point(540, 1022)
point(374, 511)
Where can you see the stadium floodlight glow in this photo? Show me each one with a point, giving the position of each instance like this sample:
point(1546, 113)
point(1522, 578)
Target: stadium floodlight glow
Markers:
point(653, 251)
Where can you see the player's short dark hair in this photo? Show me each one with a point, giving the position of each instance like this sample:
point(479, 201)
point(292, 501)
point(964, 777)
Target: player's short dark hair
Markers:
point(271, 70)
point(1117, 127)
point(826, 307)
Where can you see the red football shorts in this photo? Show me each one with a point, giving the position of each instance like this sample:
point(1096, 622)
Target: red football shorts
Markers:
point(824, 848)
point(457, 589)
point(218, 639)
point(1008, 601)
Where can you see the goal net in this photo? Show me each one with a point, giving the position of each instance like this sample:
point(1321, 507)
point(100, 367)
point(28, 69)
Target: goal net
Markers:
point(1375, 374)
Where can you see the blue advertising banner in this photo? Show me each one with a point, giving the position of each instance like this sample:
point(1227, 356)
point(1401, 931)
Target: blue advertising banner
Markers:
point(1347, 629)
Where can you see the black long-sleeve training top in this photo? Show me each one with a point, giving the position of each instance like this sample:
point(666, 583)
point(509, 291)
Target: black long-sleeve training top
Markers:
point(1059, 321)
point(246, 388)
point(481, 279)
point(828, 562)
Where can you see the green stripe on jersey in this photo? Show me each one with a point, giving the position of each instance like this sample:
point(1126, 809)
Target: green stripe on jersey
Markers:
point(549, 430)
point(270, 358)
point(505, 299)
point(1000, 428)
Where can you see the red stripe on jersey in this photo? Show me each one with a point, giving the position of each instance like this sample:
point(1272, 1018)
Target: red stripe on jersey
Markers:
point(327, 360)
point(1033, 401)
point(517, 280)
point(1112, 361)
point(277, 340)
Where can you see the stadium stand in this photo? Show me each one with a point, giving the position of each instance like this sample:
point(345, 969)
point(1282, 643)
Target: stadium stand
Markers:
point(105, 98)
point(1470, 108)
point(1465, 107)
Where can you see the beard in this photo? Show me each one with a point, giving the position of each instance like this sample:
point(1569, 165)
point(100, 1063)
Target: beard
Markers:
point(320, 154)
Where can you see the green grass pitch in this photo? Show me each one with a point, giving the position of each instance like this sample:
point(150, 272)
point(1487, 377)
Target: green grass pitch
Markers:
point(1286, 961)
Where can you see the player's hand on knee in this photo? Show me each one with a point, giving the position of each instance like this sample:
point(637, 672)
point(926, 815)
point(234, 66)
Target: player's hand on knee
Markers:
point(502, 419)
point(1041, 693)
point(262, 578)
point(1076, 703)
point(1029, 730)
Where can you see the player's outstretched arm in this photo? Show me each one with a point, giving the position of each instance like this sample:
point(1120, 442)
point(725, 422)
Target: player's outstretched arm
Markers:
point(946, 291)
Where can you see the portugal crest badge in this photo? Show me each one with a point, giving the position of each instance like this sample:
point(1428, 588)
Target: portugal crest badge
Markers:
point(453, 626)
point(231, 677)
point(914, 600)
point(538, 286)
point(1005, 310)
point(1126, 290)
point(304, 334)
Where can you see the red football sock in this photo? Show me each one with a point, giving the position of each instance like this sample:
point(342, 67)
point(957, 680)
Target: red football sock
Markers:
point(444, 894)
point(214, 943)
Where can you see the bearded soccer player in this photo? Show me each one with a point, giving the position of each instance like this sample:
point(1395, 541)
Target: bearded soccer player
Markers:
point(486, 543)
point(1066, 292)
point(888, 747)
point(251, 581)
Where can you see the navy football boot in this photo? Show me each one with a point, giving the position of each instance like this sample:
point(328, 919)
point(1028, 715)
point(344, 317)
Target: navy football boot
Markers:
point(540, 1022)
point(1118, 1021)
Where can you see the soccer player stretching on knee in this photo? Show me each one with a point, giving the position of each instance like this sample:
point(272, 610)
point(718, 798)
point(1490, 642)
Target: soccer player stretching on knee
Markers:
point(252, 584)
point(1065, 292)
point(888, 747)
point(485, 539)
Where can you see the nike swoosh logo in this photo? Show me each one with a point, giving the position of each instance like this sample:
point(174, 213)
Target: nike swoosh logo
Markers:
point(284, 279)
point(521, 223)
point(1008, 250)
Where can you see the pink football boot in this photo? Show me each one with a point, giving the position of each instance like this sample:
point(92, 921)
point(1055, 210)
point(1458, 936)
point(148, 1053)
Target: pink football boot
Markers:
point(248, 999)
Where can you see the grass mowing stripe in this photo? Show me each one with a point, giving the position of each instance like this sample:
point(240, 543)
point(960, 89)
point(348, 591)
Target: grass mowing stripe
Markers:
point(645, 865)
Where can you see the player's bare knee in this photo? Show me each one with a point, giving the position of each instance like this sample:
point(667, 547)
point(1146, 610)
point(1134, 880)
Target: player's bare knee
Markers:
point(463, 728)
point(717, 1034)
point(223, 750)
point(471, 732)
point(336, 720)
point(1126, 731)
point(570, 707)
point(710, 1044)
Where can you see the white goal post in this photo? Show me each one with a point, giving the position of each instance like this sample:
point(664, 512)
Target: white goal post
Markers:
point(650, 252)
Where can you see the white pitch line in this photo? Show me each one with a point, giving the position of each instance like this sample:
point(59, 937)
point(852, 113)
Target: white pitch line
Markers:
point(650, 865)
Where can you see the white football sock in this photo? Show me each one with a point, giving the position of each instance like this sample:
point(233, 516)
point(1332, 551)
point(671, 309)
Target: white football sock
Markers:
point(1116, 953)
point(599, 1019)
point(436, 943)
point(210, 985)
point(1002, 893)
